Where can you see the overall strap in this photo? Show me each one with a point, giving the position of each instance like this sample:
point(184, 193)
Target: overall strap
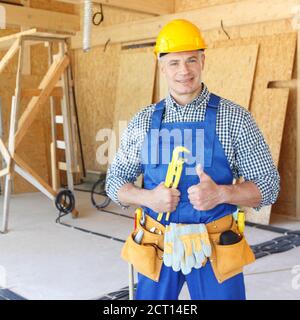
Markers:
point(153, 150)
point(210, 129)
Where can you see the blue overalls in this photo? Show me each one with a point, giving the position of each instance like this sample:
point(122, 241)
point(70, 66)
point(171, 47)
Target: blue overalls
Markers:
point(202, 283)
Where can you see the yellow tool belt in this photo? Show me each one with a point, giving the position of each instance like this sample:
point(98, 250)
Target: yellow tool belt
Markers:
point(226, 260)
point(147, 256)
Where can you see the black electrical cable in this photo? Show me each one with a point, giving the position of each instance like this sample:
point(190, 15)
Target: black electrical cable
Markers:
point(65, 204)
point(95, 16)
point(65, 201)
point(118, 214)
point(290, 240)
point(267, 227)
point(106, 201)
point(93, 233)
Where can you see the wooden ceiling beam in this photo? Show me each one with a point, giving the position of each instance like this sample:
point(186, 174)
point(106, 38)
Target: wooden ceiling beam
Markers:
point(155, 7)
point(37, 18)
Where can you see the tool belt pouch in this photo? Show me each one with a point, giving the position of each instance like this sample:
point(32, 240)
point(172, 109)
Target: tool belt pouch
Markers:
point(229, 260)
point(146, 257)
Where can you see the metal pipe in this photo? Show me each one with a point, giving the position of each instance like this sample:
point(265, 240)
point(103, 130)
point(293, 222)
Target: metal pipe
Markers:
point(87, 23)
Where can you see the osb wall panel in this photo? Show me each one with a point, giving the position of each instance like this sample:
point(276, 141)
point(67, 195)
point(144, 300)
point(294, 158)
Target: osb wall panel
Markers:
point(113, 15)
point(39, 59)
point(96, 75)
point(224, 80)
point(135, 85)
point(269, 106)
point(286, 204)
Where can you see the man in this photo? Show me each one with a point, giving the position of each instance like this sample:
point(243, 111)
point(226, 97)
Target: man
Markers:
point(233, 147)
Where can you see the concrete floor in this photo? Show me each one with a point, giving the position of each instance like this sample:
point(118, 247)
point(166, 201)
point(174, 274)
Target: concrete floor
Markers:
point(43, 260)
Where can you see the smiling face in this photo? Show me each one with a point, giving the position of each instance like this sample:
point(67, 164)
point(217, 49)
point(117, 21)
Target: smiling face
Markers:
point(183, 72)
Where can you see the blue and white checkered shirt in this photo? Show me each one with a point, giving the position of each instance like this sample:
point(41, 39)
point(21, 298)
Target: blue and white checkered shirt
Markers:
point(244, 145)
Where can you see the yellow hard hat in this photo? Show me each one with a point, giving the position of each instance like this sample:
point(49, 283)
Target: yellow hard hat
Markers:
point(179, 35)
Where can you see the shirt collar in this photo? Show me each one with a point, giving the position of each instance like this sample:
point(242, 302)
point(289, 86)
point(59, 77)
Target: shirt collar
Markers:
point(198, 102)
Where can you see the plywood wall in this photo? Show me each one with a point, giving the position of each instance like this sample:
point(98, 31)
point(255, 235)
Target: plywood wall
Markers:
point(134, 87)
point(234, 83)
point(96, 78)
point(268, 106)
point(286, 204)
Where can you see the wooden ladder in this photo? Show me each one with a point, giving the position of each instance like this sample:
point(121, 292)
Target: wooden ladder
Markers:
point(65, 119)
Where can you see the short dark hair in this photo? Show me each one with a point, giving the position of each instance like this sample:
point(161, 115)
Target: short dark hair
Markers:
point(164, 53)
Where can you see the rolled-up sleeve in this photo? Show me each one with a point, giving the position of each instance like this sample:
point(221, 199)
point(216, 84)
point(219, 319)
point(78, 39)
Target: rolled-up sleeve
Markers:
point(126, 165)
point(254, 161)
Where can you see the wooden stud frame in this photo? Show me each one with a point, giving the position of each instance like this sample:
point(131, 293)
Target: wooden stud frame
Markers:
point(47, 88)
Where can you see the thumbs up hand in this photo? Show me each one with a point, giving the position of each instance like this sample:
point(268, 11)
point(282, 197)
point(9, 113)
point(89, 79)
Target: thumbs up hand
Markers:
point(206, 194)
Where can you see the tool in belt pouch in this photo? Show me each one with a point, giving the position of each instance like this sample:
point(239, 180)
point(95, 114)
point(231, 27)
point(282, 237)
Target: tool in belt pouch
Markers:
point(228, 260)
point(146, 256)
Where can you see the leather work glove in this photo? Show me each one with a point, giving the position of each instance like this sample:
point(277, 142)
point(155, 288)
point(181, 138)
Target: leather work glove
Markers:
point(186, 246)
point(173, 248)
point(196, 246)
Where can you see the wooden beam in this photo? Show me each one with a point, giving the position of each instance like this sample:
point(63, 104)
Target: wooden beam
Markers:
point(28, 17)
point(31, 176)
point(156, 7)
point(232, 14)
point(56, 92)
point(27, 50)
point(63, 167)
point(4, 172)
point(32, 37)
point(4, 152)
point(47, 85)
point(9, 54)
point(7, 41)
point(26, 57)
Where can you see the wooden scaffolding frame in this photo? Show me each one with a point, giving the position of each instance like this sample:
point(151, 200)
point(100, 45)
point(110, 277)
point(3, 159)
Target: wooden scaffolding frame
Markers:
point(56, 83)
